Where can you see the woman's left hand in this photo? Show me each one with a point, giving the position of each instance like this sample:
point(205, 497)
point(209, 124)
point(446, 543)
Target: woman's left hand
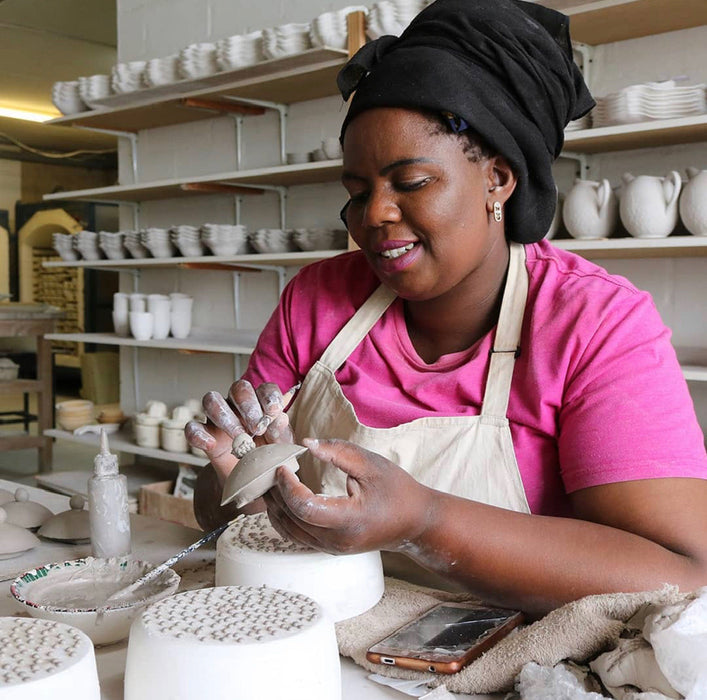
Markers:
point(385, 507)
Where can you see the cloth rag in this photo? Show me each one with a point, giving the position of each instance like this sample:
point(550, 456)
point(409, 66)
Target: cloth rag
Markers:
point(576, 631)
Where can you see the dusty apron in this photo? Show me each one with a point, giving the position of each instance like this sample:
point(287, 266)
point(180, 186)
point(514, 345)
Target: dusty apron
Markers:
point(468, 456)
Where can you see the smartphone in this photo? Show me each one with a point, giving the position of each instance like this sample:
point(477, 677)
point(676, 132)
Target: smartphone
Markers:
point(445, 638)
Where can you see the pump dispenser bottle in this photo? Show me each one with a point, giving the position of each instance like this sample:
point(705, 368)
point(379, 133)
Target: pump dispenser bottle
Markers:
point(109, 517)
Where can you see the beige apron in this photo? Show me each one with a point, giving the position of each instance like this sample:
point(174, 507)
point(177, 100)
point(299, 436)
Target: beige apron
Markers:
point(469, 456)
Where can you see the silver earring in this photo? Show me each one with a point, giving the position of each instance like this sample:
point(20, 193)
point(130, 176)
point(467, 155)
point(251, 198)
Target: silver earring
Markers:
point(497, 211)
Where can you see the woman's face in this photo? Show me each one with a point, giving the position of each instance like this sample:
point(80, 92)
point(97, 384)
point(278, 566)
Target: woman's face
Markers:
point(418, 206)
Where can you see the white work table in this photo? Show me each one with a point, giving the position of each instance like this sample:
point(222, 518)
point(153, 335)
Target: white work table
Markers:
point(153, 540)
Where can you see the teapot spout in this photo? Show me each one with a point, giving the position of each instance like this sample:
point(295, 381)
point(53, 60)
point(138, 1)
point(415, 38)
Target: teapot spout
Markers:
point(627, 178)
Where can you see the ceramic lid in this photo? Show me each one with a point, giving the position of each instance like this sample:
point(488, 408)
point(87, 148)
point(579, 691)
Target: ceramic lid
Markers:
point(255, 472)
point(24, 512)
point(6, 496)
point(70, 525)
point(13, 538)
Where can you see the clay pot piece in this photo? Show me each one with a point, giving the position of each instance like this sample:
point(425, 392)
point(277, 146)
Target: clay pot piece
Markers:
point(70, 526)
point(14, 540)
point(255, 472)
point(26, 513)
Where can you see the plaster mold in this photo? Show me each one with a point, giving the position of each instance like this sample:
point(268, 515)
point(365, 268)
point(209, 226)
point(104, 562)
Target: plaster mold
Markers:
point(71, 525)
point(251, 553)
point(233, 642)
point(43, 659)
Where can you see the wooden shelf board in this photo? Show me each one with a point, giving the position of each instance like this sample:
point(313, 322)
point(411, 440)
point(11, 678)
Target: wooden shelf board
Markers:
point(694, 373)
point(607, 21)
point(306, 76)
point(673, 246)
point(122, 442)
point(659, 132)
point(235, 342)
point(278, 175)
point(253, 260)
point(20, 386)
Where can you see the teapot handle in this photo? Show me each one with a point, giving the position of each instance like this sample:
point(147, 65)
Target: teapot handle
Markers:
point(603, 194)
point(672, 184)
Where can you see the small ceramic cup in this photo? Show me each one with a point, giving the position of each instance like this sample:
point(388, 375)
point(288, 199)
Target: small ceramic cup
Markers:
point(147, 434)
point(172, 436)
point(180, 316)
point(138, 302)
point(121, 325)
point(142, 324)
point(159, 306)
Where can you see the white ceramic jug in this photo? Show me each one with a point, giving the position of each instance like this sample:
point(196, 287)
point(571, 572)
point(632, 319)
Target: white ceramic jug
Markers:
point(693, 202)
point(590, 209)
point(649, 205)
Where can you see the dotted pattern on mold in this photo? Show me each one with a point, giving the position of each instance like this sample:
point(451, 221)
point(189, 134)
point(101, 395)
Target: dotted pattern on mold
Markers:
point(32, 649)
point(255, 533)
point(231, 615)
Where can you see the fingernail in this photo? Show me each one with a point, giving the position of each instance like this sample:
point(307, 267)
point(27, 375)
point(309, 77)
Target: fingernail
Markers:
point(311, 443)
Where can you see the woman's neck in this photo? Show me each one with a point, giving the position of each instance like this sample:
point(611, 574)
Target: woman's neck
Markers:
point(456, 320)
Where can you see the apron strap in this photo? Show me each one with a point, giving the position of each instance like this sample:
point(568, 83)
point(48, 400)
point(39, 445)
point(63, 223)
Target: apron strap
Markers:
point(357, 328)
point(506, 345)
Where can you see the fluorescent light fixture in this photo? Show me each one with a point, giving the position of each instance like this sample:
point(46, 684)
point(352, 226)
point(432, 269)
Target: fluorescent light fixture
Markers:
point(25, 114)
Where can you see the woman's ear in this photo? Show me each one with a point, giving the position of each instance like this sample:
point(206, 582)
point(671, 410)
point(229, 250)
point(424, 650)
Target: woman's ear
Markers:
point(501, 180)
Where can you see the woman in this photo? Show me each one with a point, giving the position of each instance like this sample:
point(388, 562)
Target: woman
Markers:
point(506, 415)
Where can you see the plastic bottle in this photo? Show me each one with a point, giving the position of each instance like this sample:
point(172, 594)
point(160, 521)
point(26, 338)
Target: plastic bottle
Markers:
point(109, 517)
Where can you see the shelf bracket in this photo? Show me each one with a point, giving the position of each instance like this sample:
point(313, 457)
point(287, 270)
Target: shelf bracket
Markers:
point(237, 319)
point(120, 134)
point(237, 204)
point(582, 160)
point(586, 51)
point(239, 140)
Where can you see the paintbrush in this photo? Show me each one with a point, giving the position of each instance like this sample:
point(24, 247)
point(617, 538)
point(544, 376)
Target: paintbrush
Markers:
point(154, 573)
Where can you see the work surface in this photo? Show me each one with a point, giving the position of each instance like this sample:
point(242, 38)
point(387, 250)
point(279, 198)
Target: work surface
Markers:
point(153, 540)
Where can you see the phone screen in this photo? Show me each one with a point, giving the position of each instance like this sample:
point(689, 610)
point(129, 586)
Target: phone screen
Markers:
point(445, 631)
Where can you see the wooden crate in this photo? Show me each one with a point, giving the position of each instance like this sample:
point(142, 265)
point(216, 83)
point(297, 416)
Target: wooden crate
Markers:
point(157, 501)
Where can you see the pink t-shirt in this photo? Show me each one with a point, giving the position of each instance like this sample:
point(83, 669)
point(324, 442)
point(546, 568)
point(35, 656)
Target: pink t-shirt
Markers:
point(597, 393)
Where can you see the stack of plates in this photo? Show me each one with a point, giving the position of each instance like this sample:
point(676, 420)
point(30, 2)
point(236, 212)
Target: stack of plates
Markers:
point(112, 244)
point(94, 87)
point(329, 29)
point(133, 243)
point(320, 238)
point(637, 103)
point(197, 61)
point(158, 242)
point(272, 240)
point(225, 239)
point(584, 122)
point(187, 239)
point(127, 77)
point(392, 16)
point(64, 245)
point(239, 51)
point(86, 243)
point(66, 98)
point(161, 71)
point(286, 40)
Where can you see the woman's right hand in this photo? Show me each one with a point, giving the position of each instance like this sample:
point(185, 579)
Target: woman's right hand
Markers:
point(239, 414)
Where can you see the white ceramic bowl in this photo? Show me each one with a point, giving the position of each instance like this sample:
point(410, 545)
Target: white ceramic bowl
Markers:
point(46, 593)
point(73, 414)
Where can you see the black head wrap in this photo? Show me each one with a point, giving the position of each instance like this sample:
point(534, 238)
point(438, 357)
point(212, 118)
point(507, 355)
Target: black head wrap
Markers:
point(504, 67)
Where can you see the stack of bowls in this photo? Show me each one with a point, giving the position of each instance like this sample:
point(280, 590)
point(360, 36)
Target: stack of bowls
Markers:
point(239, 51)
point(64, 245)
point(330, 28)
point(197, 61)
point(73, 414)
point(112, 244)
point(133, 243)
point(187, 239)
point(158, 242)
point(66, 98)
point(225, 239)
point(320, 239)
point(272, 240)
point(286, 40)
point(392, 16)
point(161, 71)
point(127, 77)
point(94, 87)
point(86, 243)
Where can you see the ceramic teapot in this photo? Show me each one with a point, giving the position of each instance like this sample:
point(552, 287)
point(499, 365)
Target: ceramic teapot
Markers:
point(649, 205)
point(590, 209)
point(693, 202)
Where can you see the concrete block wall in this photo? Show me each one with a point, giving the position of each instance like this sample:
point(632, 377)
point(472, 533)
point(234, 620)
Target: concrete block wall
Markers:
point(152, 28)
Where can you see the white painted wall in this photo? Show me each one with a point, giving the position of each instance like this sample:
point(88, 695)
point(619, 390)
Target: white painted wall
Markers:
point(150, 28)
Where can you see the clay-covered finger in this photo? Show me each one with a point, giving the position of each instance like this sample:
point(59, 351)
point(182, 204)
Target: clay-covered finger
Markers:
point(279, 430)
point(221, 414)
point(198, 436)
point(245, 401)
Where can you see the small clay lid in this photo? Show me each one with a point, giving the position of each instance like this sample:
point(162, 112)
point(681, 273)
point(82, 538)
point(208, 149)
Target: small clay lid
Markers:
point(255, 472)
point(14, 540)
point(70, 525)
point(6, 496)
point(26, 513)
